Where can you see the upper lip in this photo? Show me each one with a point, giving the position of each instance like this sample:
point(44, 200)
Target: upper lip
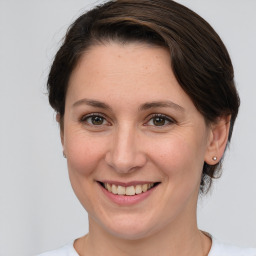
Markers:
point(127, 184)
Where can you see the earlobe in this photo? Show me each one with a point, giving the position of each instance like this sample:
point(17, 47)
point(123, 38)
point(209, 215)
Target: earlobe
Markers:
point(218, 138)
point(58, 117)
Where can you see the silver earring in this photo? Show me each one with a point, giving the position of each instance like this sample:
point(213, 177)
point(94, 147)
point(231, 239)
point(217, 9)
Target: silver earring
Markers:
point(64, 154)
point(214, 158)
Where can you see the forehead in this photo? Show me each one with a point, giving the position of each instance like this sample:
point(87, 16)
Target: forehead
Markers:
point(133, 71)
point(114, 58)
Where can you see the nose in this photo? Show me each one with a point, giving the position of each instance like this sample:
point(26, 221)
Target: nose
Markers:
point(125, 153)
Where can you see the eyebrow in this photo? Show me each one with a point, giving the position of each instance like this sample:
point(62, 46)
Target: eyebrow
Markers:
point(161, 104)
point(93, 103)
point(143, 107)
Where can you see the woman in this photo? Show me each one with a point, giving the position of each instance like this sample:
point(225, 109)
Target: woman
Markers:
point(146, 102)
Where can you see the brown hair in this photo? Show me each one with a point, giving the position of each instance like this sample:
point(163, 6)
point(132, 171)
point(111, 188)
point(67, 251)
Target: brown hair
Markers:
point(199, 59)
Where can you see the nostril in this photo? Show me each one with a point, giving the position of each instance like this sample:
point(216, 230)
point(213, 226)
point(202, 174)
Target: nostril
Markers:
point(125, 163)
point(124, 154)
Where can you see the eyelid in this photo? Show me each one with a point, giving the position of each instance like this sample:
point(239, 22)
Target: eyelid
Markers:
point(168, 118)
point(84, 117)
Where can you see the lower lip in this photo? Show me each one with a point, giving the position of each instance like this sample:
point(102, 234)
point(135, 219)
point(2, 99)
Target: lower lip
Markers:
point(127, 200)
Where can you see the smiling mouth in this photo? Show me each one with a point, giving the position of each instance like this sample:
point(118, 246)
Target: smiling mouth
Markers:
point(129, 190)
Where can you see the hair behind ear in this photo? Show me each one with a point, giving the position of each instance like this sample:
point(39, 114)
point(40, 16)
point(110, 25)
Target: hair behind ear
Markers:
point(218, 141)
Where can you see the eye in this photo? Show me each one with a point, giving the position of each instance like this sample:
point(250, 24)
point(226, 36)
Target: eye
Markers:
point(160, 120)
point(94, 119)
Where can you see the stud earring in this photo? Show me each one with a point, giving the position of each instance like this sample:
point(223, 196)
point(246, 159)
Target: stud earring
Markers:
point(64, 154)
point(214, 158)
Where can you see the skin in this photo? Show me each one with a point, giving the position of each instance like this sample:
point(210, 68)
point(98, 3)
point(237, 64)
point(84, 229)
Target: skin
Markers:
point(129, 146)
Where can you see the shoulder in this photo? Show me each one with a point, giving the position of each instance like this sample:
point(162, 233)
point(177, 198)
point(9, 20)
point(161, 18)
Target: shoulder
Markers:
point(67, 250)
point(222, 249)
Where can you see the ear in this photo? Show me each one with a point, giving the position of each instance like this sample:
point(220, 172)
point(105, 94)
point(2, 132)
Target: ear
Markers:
point(58, 119)
point(219, 132)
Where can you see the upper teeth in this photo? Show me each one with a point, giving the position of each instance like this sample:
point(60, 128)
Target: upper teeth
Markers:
point(128, 191)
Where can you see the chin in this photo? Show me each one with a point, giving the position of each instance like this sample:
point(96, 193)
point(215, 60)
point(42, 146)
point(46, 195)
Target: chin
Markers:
point(129, 233)
point(130, 228)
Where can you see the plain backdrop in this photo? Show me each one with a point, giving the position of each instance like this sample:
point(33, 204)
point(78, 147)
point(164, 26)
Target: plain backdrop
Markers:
point(38, 209)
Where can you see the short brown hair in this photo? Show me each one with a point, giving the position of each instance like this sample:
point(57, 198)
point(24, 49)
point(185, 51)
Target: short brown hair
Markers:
point(199, 59)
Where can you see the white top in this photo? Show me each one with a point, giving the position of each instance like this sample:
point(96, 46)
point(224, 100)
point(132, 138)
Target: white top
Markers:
point(217, 249)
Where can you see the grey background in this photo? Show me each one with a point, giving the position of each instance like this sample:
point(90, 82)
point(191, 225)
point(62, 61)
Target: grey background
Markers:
point(38, 210)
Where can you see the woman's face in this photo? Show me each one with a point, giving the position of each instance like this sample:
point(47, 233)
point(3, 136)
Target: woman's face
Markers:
point(128, 126)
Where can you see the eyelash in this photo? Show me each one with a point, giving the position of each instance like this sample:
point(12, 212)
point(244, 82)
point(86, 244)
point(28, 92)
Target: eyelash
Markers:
point(164, 117)
point(170, 121)
point(85, 118)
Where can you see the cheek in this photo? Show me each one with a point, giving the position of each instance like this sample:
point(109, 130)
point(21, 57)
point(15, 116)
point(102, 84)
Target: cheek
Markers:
point(181, 163)
point(84, 153)
point(180, 159)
